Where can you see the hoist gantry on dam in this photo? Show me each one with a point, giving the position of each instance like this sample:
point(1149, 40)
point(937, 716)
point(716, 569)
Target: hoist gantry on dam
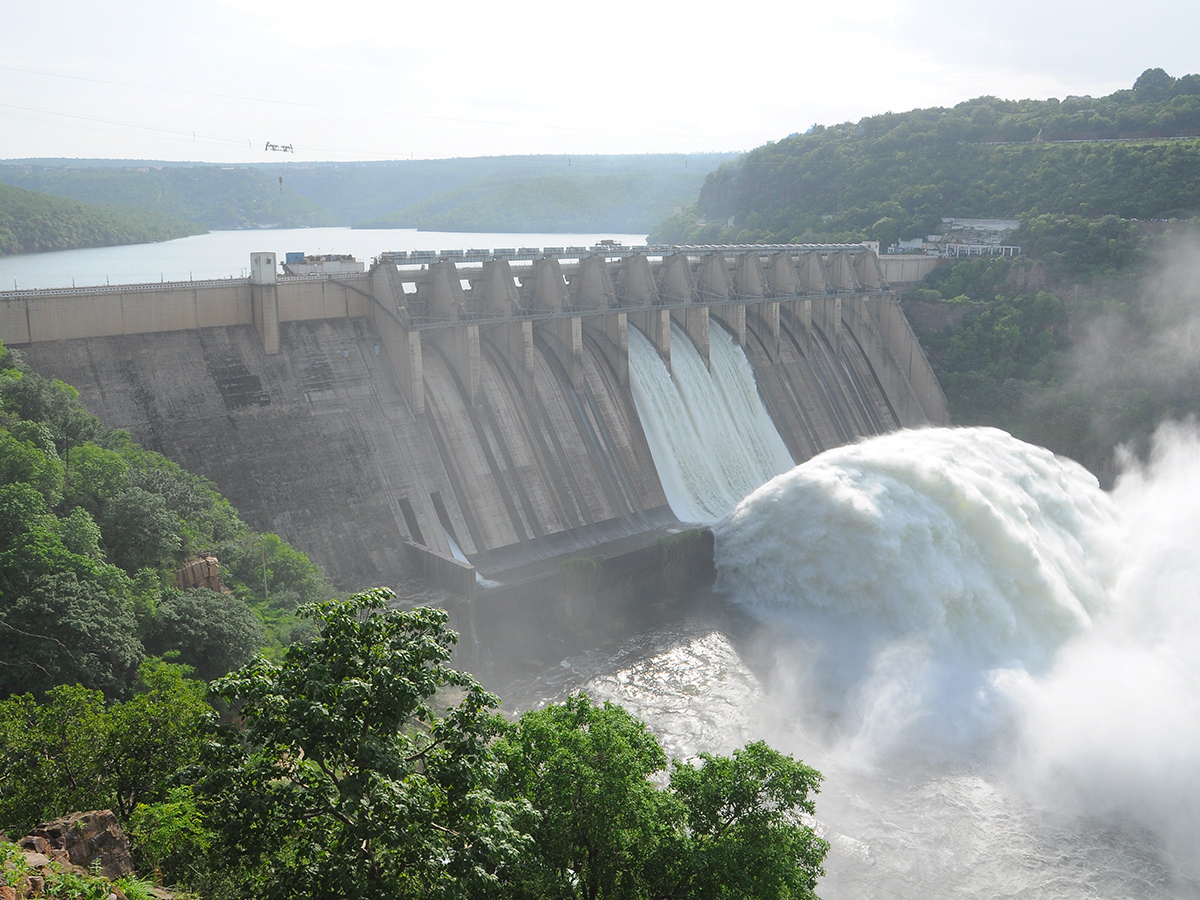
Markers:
point(475, 403)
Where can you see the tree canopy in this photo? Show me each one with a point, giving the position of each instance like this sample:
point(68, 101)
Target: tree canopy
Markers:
point(1132, 154)
point(603, 827)
point(360, 764)
point(32, 222)
point(92, 530)
point(75, 752)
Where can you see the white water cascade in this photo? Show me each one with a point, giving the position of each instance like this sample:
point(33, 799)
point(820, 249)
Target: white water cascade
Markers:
point(992, 662)
point(711, 439)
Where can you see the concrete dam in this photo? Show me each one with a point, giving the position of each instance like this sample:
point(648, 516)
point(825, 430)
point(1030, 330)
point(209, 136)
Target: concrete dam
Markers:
point(470, 404)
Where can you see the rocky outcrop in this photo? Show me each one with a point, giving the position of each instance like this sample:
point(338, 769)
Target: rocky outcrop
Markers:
point(91, 840)
point(204, 572)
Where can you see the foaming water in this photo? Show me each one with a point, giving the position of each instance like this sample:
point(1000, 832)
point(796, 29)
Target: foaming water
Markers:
point(1114, 728)
point(993, 662)
point(965, 539)
point(711, 439)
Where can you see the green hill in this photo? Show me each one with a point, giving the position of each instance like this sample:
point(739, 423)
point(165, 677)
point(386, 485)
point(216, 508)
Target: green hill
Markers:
point(629, 202)
point(223, 197)
point(504, 193)
point(1134, 154)
point(31, 222)
point(508, 193)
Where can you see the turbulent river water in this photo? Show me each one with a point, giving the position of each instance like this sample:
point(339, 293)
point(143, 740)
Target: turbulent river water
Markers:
point(992, 661)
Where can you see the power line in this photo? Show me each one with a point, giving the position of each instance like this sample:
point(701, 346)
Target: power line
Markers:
point(361, 110)
point(197, 137)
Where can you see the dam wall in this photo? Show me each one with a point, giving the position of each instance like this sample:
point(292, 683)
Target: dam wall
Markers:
point(478, 410)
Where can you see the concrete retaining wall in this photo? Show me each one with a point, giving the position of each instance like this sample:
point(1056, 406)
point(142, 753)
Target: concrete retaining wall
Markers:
point(29, 317)
point(449, 574)
point(903, 270)
point(37, 317)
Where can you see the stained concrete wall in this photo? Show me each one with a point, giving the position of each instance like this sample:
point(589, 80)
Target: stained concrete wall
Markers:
point(316, 443)
point(65, 315)
point(906, 270)
point(320, 444)
point(853, 370)
point(362, 433)
point(34, 317)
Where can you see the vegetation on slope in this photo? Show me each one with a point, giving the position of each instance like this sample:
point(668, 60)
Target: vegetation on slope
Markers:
point(513, 193)
point(32, 223)
point(362, 766)
point(628, 194)
point(516, 193)
point(1081, 347)
point(357, 764)
point(1133, 154)
point(213, 196)
point(92, 530)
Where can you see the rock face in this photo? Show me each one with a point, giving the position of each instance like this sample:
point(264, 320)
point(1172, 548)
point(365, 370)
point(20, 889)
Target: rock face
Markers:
point(83, 839)
point(204, 572)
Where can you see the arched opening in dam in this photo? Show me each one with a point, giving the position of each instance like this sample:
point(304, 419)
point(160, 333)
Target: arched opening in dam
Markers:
point(989, 658)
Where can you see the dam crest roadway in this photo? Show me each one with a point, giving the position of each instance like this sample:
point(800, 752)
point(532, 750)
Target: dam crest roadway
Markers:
point(470, 400)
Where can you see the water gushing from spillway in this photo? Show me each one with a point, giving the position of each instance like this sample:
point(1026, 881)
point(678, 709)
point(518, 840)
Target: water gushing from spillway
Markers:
point(992, 661)
point(710, 436)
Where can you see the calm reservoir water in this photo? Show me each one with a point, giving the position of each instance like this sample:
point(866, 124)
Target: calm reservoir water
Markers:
point(226, 254)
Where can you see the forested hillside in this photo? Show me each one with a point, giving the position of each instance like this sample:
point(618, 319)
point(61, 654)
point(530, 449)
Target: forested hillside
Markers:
point(1133, 154)
point(32, 223)
point(515, 193)
point(507, 193)
point(1082, 347)
point(211, 196)
point(632, 202)
point(92, 530)
point(1079, 344)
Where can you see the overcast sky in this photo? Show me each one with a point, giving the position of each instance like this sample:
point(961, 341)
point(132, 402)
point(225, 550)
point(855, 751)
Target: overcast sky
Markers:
point(215, 80)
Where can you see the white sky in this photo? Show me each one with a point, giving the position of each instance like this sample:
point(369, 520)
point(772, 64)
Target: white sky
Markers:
point(214, 80)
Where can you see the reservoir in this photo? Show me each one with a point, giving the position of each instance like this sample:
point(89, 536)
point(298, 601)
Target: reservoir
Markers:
point(226, 254)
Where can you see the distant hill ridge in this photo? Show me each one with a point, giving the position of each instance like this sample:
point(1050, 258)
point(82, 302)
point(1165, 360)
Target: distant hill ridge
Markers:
point(32, 223)
point(210, 196)
point(1133, 154)
point(508, 193)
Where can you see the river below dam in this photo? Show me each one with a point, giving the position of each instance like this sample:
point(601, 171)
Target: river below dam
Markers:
point(991, 661)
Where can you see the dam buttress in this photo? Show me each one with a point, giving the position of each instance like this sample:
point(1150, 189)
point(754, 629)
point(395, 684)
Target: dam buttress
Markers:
point(481, 402)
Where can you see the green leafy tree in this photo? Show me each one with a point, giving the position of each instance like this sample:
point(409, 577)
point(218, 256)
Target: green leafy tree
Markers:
point(600, 822)
point(212, 633)
point(171, 839)
point(51, 403)
point(360, 767)
point(64, 628)
point(24, 461)
point(49, 756)
point(729, 827)
point(139, 530)
point(71, 751)
point(746, 835)
point(153, 736)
